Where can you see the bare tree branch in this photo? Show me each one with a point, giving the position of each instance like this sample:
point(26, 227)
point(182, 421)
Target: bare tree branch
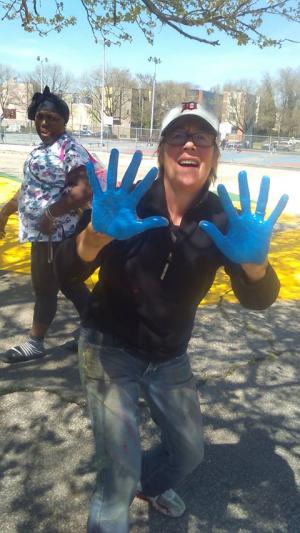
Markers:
point(89, 19)
point(242, 20)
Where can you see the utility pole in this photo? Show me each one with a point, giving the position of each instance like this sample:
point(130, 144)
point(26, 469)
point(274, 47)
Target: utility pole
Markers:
point(156, 61)
point(42, 60)
point(105, 43)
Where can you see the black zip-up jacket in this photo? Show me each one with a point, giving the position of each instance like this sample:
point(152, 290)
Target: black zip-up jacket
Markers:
point(150, 285)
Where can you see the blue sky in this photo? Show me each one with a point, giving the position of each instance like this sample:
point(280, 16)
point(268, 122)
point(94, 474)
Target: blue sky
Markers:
point(182, 59)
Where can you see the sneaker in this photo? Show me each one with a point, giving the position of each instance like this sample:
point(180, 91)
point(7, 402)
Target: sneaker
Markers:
point(72, 344)
point(27, 351)
point(167, 503)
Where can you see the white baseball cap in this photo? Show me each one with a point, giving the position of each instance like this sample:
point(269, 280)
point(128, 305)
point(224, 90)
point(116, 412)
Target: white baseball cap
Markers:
point(189, 109)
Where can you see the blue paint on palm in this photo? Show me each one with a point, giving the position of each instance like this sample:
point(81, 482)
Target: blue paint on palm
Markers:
point(248, 237)
point(114, 210)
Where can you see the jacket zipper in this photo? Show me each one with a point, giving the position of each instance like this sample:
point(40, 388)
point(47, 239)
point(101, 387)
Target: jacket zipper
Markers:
point(167, 264)
point(169, 258)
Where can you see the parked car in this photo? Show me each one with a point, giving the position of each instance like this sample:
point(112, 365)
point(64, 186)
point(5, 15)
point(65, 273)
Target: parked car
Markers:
point(234, 145)
point(106, 134)
point(269, 145)
point(285, 146)
point(294, 141)
point(86, 133)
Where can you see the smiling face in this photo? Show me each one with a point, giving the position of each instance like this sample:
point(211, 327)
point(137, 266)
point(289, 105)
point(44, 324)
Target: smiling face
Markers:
point(49, 125)
point(188, 166)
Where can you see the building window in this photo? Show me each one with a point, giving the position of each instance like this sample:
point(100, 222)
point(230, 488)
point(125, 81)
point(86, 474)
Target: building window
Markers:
point(9, 113)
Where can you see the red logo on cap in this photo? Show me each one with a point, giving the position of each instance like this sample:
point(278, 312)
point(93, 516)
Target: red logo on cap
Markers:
point(189, 105)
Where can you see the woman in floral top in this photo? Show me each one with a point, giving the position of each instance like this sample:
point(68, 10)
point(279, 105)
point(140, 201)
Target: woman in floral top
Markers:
point(54, 188)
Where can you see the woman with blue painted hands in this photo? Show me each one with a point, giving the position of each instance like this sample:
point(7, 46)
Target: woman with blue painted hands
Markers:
point(159, 245)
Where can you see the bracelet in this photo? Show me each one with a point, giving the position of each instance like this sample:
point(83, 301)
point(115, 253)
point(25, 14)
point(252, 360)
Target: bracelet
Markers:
point(49, 214)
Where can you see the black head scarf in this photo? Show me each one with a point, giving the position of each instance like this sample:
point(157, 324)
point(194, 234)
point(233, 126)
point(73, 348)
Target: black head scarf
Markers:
point(49, 100)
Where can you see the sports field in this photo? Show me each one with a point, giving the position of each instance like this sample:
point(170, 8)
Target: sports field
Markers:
point(284, 254)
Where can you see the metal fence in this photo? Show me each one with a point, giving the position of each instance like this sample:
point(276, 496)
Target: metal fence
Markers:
point(27, 135)
point(261, 142)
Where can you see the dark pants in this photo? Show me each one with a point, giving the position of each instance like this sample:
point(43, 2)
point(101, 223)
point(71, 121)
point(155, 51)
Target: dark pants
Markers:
point(45, 286)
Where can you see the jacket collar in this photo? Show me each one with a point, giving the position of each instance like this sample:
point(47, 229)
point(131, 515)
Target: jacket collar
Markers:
point(154, 201)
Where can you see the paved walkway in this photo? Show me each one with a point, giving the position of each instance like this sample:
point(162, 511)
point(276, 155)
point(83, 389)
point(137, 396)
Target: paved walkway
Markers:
point(248, 373)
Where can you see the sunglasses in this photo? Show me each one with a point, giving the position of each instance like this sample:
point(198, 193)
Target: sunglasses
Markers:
point(199, 138)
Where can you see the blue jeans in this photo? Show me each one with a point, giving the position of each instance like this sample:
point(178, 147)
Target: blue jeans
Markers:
point(113, 379)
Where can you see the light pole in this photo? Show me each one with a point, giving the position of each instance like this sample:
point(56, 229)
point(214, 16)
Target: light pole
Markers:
point(105, 43)
point(42, 60)
point(142, 112)
point(156, 61)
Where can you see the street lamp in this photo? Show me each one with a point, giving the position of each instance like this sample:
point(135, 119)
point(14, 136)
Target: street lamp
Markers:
point(142, 110)
point(42, 60)
point(105, 43)
point(156, 61)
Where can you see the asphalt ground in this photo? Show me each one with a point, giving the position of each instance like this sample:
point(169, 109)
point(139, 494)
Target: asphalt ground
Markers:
point(247, 372)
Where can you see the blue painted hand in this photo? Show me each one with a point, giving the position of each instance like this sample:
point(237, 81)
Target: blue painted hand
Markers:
point(114, 210)
point(248, 237)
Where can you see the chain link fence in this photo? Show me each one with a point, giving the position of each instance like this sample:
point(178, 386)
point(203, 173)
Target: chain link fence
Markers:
point(17, 134)
point(261, 142)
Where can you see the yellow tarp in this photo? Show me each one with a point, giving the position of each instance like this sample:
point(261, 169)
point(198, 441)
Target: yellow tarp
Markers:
point(284, 254)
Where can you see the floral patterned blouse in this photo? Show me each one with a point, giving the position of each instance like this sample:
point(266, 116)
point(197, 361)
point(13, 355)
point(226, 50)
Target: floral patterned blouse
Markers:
point(45, 171)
